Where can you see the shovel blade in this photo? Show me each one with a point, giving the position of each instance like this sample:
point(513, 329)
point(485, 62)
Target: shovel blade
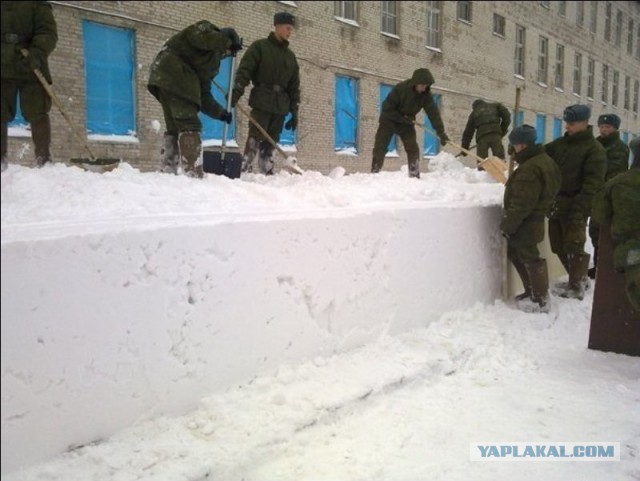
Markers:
point(230, 165)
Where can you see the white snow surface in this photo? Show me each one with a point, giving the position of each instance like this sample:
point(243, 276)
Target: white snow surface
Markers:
point(404, 407)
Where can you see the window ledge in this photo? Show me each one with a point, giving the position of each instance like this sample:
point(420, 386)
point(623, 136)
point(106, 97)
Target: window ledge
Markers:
point(390, 35)
point(434, 49)
point(499, 35)
point(19, 131)
point(542, 84)
point(577, 95)
point(291, 4)
point(114, 139)
point(348, 21)
point(518, 76)
point(466, 22)
point(558, 89)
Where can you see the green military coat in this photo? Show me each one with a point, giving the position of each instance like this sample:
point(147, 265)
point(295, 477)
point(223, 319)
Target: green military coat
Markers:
point(582, 161)
point(28, 25)
point(486, 118)
point(187, 64)
point(617, 155)
point(529, 194)
point(403, 102)
point(273, 69)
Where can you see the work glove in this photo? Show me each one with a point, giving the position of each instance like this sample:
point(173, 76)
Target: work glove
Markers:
point(443, 140)
point(32, 61)
point(292, 123)
point(225, 116)
point(235, 96)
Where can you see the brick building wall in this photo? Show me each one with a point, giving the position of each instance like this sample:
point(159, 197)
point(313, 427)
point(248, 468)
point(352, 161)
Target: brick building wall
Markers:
point(472, 62)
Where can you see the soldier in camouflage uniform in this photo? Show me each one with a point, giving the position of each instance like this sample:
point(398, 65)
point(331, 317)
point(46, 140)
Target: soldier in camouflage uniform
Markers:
point(273, 69)
point(398, 115)
point(582, 160)
point(490, 122)
point(617, 163)
point(617, 206)
point(528, 196)
point(180, 79)
point(30, 26)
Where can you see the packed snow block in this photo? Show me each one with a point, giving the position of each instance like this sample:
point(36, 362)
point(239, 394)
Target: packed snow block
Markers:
point(105, 325)
point(615, 324)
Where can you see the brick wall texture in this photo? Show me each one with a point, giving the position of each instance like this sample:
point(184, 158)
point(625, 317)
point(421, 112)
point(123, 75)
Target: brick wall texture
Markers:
point(472, 63)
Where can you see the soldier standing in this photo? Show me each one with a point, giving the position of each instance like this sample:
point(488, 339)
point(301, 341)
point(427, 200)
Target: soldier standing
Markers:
point(582, 160)
point(617, 163)
point(273, 69)
point(398, 115)
point(528, 196)
point(180, 79)
point(490, 122)
point(30, 26)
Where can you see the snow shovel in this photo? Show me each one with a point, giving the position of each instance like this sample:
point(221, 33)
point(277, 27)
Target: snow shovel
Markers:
point(495, 166)
point(290, 163)
point(92, 160)
point(224, 163)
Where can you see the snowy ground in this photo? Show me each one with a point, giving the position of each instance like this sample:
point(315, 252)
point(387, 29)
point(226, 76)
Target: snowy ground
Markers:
point(401, 408)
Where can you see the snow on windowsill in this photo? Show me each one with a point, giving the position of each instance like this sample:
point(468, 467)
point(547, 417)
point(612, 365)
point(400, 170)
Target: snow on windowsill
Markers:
point(288, 147)
point(390, 35)
point(434, 49)
point(558, 89)
point(542, 84)
point(392, 154)
point(115, 139)
point(520, 77)
point(19, 131)
point(347, 151)
point(218, 143)
point(348, 21)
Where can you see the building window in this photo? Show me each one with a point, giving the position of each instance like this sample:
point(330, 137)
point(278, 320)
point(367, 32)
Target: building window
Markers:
point(499, 25)
point(519, 50)
point(390, 17)
point(541, 128)
point(580, 14)
point(213, 130)
point(546, 5)
point(630, 37)
point(464, 11)
point(431, 142)
point(618, 36)
point(636, 93)
point(434, 11)
point(559, 77)
point(562, 9)
point(543, 60)
point(346, 115)
point(110, 79)
point(392, 148)
point(346, 10)
point(593, 26)
point(605, 84)
point(557, 128)
point(615, 86)
point(591, 75)
point(577, 74)
point(638, 43)
point(607, 22)
point(627, 92)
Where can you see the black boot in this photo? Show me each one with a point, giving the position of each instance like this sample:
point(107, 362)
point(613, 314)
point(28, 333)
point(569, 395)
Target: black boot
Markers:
point(41, 136)
point(190, 147)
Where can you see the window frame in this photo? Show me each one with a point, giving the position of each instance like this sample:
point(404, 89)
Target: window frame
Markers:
point(543, 60)
point(559, 70)
point(434, 11)
point(389, 17)
point(464, 11)
point(499, 23)
point(520, 50)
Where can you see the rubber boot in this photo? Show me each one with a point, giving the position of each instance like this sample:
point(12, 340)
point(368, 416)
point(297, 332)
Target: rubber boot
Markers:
point(578, 267)
point(524, 277)
point(376, 165)
point(265, 158)
point(41, 136)
point(190, 147)
point(592, 272)
point(539, 277)
point(414, 169)
point(250, 153)
point(170, 159)
point(4, 145)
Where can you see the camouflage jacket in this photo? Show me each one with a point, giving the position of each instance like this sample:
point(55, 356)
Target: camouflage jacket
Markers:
point(582, 161)
point(618, 206)
point(486, 118)
point(530, 190)
point(403, 102)
point(617, 155)
point(31, 26)
point(188, 62)
point(273, 69)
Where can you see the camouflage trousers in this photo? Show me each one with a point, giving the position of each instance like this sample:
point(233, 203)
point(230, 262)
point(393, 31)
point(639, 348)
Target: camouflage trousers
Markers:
point(407, 133)
point(567, 238)
point(491, 141)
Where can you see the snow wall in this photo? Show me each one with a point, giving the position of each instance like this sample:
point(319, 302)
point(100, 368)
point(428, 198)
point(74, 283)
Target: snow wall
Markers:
point(100, 330)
